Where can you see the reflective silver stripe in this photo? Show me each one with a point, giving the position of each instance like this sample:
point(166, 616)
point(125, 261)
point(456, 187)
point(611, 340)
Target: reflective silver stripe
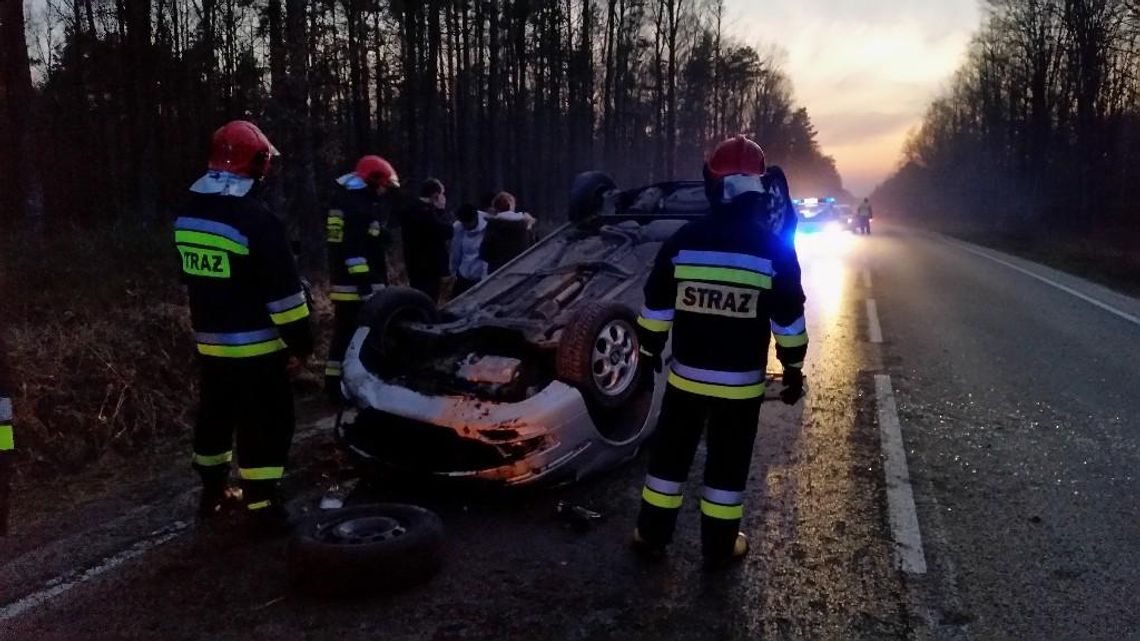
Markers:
point(237, 338)
point(186, 223)
point(722, 497)
point(662, 486)
point(797, 327)
point(718, 377)
point(5, 409)
point(657, 314)
point(346, 289)
point(287, 303)
point(731, 260)
point(356, 261)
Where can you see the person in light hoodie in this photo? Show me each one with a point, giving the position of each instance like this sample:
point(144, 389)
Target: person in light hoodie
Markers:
point(467, 265)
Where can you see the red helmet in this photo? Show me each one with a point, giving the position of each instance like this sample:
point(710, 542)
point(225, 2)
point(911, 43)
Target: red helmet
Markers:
point(737, 155)
point(240, 148)
point(377, 172)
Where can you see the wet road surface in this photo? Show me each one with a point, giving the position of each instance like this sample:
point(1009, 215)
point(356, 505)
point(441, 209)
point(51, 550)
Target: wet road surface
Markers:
point(1017, 409)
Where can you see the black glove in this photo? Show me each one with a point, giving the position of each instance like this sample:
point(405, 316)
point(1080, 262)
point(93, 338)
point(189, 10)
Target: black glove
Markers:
point(651, 360)
point(793, 386)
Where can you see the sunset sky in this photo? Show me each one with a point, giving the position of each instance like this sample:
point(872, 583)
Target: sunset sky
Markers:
point(865, 69)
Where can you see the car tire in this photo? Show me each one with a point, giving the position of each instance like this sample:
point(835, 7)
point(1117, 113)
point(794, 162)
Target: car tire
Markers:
point(587, 194)
point(588, 340)
point(391, 305)
point(381, 547)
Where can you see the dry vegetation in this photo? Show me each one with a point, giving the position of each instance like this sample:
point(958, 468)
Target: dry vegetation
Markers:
point(100, 345)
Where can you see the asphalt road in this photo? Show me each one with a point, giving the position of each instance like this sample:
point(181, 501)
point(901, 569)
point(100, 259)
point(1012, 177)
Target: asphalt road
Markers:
point(964, 468)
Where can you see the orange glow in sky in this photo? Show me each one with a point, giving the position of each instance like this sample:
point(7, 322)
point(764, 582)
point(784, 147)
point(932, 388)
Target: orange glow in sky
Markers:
point(865, 70)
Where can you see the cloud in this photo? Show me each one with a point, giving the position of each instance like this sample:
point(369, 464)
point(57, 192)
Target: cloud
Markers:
point(865, 69)
point(853, 127)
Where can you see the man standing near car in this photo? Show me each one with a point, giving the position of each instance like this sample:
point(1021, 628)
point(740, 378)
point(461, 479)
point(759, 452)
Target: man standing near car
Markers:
point(863, 217)
point(250, 314)
point(722, 285)
point(425, 230)
point(358, 241)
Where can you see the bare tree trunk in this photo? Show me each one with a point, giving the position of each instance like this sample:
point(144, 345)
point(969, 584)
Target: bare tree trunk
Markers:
point(302, 185)
point(19, 120)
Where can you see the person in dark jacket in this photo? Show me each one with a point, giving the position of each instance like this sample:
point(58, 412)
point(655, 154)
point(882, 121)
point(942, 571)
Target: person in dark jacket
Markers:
point(250, 313)
point(723, 285)
point(358, 240)
point(509, 232)
point(426, 228)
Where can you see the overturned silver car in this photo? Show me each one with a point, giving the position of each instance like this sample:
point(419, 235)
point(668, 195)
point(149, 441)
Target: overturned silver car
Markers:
point(533, 375)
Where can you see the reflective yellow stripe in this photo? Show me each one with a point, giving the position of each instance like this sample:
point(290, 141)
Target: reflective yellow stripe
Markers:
point(358, 269)
point(664, 501)
point(7, 442)
point(261, 473)
point(242, 351)
point(211, 460)
point(732, 392)
point(344, 297)
point(332, 371)
point(723, 275)
point(290, 315)
point(654, 325)
point(209, 240)
point(260, 505)
point(724, 512)
point(799, 365)
point(799, 340)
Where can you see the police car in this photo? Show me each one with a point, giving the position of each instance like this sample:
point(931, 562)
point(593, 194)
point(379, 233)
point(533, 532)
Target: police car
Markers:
point(819, 215)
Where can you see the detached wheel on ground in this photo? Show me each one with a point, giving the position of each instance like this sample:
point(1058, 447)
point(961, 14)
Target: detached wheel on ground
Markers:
point(599, 354)
point(365, 549)
point(588, 194)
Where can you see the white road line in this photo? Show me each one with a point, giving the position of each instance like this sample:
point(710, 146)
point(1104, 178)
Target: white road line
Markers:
point(67, 582)
point(900, 496)
point(874, 329)
point(866, 278)
point(1048, 281)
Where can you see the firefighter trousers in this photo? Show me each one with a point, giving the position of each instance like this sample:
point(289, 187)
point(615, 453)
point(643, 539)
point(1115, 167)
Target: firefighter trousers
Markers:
point(345, 315)
point(731, 427)
point(250, 399)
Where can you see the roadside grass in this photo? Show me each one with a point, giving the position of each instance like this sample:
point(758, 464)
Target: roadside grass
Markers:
point(1109, 259)
point(101, 346)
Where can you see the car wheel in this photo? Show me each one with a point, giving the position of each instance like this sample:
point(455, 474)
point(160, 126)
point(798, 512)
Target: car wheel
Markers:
point(598, 354)
point(587, 194)
point(391, 306)
point(363, 549)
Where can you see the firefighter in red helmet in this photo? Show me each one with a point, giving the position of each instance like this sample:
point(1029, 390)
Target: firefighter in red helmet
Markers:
point(250, 314)
point(358, 240)
point(722, 285)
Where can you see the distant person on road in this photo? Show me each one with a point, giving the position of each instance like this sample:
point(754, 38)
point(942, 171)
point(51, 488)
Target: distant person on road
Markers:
point(426, 229)
point(863, 216)
point(358, 240)
point(467, 265)
point(722, 285)
point(7, 439)
point(509, 232)
point(250, 314)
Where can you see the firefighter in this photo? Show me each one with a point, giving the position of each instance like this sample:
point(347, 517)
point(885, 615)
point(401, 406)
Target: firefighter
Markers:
point(863, 216)
point(250, 315)
point(7, 441)
point(358, 240)
point(722, 285)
